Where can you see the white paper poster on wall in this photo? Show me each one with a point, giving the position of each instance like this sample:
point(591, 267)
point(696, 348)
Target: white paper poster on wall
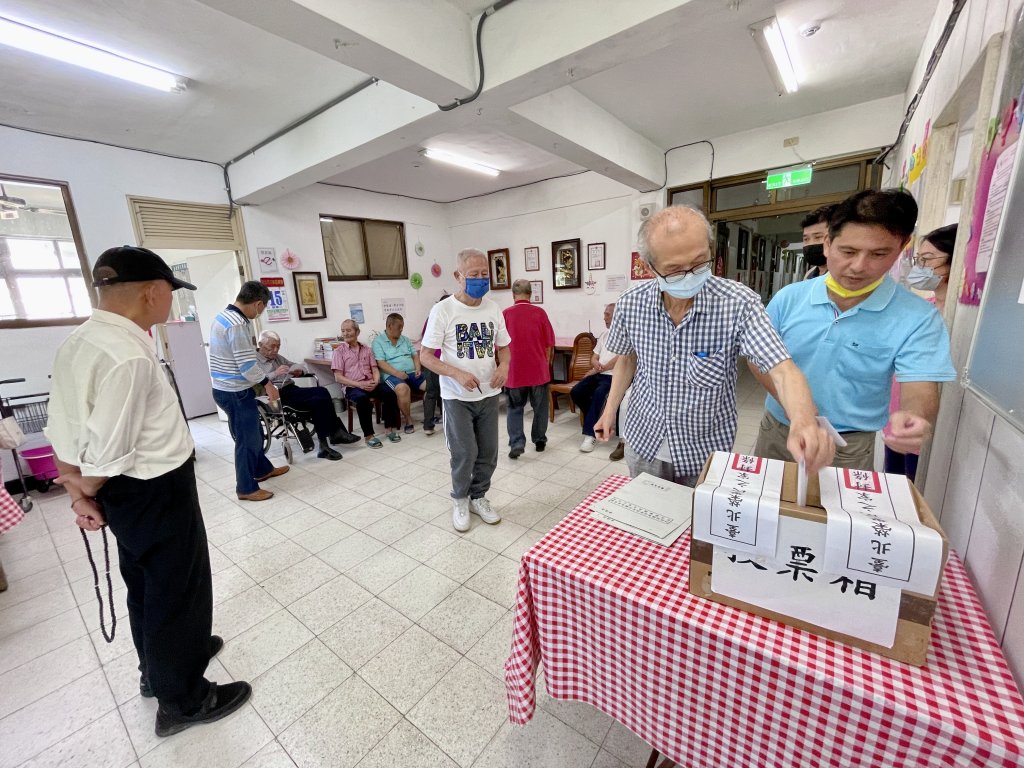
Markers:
point(615, 283)
point(267, 257)
point(355, 311)
point(396, 306)
point(277, 310)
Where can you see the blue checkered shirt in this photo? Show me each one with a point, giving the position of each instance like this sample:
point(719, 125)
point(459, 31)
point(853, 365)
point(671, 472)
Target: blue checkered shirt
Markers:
point(685, 383)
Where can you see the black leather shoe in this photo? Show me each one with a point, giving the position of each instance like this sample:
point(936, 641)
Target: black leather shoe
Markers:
point(541, 446)
point(343, 437)
point(515, 453)
point(220, 702)
point(216, 643)
point(326, 452)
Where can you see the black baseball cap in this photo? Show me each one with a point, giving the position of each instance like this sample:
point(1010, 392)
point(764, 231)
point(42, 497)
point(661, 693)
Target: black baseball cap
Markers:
point(131, 264)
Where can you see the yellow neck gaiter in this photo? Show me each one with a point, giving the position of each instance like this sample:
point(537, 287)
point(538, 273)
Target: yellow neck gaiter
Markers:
point(838, 290)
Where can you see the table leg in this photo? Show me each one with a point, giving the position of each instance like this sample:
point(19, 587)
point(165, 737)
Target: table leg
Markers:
point(652, 761)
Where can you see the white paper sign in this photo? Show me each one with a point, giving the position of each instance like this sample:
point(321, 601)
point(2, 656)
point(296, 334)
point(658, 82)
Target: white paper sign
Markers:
point(615, 283)
point(874, 531)
point(997, 190)
point(737, 505)
point(648, 506)
point(392, 305)
point(795, 584)
point(267, 257)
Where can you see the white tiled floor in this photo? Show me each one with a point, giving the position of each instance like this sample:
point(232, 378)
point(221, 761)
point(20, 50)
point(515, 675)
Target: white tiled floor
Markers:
point(374, 634)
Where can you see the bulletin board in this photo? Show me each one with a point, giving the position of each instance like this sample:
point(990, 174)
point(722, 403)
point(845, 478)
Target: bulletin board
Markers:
point(995, 371)
point(996, 367)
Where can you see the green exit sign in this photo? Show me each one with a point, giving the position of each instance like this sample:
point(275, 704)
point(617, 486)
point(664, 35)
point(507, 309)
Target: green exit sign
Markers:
point(790, 178)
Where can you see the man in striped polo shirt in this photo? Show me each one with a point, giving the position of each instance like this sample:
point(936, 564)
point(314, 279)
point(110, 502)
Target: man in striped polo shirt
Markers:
point(235, 371)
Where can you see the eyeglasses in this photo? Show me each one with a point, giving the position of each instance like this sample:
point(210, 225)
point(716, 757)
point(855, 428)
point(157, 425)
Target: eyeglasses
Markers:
point(924, 261)
point(676, 277)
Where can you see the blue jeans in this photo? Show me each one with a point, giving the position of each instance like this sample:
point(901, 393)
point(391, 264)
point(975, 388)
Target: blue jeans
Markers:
point(516, 399)
point(244, 421)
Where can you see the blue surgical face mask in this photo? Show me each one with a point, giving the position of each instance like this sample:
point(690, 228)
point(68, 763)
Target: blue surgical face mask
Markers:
point(686, 288)
point(923, 278)
point(476, 287)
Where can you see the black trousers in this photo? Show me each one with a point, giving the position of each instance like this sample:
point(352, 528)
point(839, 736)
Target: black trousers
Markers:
point(165, 562)
point(432, 402)
point(317, 401)
point(360, 398)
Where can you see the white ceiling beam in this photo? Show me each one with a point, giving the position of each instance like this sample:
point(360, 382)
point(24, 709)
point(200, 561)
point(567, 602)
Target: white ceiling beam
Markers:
point(371, 124)
point(425, 47)
point(568, 124)
point(425, 55)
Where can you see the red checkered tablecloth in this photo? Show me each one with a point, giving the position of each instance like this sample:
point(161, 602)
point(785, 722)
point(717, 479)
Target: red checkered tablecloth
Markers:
point(10, 513)
point(610, 617)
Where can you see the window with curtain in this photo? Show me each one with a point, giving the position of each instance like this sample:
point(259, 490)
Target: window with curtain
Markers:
point(42, 272)
point(363, 249)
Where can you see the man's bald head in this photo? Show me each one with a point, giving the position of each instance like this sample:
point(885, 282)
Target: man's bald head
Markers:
point(674, 220)
point(522, 288)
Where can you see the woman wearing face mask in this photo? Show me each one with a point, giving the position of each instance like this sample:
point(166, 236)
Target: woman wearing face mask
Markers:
point(930, 272)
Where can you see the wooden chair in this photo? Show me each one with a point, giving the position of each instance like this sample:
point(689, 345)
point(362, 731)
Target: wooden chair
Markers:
point(579, 364)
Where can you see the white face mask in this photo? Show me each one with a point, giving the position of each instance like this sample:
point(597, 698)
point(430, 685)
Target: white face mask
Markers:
point(923, 278)
point(686, 288)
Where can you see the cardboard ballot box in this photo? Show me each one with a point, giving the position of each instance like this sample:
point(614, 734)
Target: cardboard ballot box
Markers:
point(856, 604)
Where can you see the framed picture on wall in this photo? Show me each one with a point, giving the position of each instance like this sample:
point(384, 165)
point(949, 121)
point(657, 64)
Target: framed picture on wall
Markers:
point(532, 255)
point(498, 263)
point(309, 295)
point(536, 291)
point(565, 263)
point(595, 256)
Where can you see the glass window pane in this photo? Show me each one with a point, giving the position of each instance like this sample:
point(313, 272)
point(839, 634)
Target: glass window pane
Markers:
point(742, 196)
point(343, 248)
point(691, 197)
point(80, 296)
point(831, 181)
point(45, 297)
point(6, 304)
point(384, 242)
point(68, 254)
point(33, 254)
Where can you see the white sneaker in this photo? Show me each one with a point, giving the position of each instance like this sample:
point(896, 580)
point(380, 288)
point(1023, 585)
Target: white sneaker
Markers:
point(460, 514)
point(588, 444)
point(482, 508)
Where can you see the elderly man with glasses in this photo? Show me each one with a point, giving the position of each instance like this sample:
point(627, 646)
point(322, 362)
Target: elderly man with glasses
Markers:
point(678, 338)
point(316, 400)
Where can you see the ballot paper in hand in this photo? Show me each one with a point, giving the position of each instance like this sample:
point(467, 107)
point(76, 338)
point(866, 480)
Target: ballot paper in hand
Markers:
point(649, 507)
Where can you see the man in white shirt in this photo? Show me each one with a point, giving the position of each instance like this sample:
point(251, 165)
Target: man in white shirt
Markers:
point(591, 392)
point(470, 332)
point(125, 455)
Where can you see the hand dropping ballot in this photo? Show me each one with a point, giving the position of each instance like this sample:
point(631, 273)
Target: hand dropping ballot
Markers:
point(649, 507)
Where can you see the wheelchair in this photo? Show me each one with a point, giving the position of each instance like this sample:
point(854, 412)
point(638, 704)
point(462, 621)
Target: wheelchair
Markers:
point(285, 424)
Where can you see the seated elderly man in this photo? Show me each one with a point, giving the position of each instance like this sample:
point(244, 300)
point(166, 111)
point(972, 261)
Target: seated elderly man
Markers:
point(316, 400)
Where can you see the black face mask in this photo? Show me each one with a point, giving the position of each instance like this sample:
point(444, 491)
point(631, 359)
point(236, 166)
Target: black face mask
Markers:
point(814, 255)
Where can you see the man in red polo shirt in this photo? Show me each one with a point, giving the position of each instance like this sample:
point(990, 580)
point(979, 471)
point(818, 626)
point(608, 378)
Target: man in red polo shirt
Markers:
point(533, 340)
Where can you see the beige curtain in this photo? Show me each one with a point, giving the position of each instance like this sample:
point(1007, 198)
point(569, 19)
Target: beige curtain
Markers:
point(343, 248)
point(384, 242)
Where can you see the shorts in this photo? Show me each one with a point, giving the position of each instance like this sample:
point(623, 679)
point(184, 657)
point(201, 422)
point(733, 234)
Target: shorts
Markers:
point(414, 381)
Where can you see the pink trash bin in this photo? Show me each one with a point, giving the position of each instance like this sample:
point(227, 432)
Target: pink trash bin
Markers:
point(42, 464)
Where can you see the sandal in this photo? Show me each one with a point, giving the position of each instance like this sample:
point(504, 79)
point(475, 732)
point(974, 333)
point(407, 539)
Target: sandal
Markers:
point(373, 442)
point(409, 429)
point(394, 437)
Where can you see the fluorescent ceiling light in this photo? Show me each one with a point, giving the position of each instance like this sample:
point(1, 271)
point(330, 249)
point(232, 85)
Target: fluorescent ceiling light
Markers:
point(768, 37)
point(447, 157)
point(52, 46)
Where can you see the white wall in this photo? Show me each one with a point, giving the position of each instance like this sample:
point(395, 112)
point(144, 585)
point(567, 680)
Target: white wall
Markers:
point(293, 222)
point(100, 178)
point(975, 484)
point(596, 209)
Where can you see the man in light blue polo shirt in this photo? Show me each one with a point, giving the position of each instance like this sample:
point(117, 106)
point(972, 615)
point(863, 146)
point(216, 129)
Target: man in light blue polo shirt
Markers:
point(852, 330)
